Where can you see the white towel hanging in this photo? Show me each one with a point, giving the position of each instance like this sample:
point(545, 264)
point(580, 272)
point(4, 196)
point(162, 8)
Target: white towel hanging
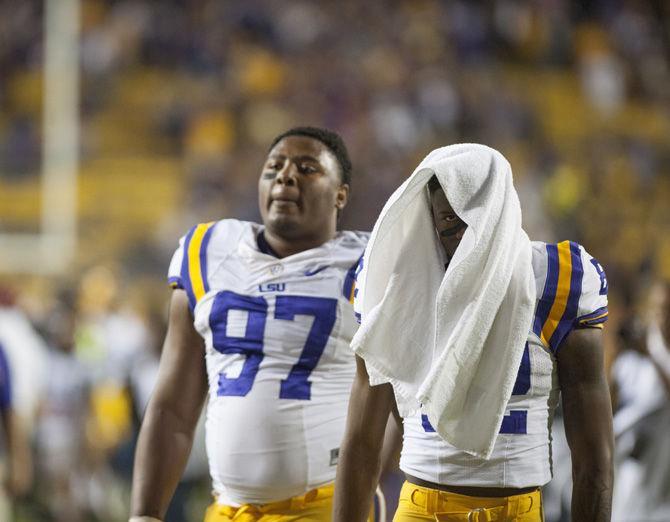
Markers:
point(450, 343)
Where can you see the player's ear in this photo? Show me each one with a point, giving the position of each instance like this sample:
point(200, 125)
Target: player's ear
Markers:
point(342, 196)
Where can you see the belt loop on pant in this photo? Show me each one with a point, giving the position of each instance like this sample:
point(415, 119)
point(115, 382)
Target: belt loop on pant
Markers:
point(475, 515)
point(301, 501)
point(246, 513)
point(419, 496)
point(531, 500)
point(513, 506)
point(296, 502)
point(521, 504)
point(436, 500)
point(311, 495)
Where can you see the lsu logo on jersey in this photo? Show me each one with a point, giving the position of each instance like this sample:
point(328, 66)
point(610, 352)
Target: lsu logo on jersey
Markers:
point(272, 287)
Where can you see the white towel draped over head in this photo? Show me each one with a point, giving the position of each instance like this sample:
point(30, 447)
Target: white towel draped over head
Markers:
point(449, 343)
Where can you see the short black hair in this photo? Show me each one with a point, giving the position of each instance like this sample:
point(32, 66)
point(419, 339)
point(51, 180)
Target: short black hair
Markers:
point(330, 139)
point(434, 184)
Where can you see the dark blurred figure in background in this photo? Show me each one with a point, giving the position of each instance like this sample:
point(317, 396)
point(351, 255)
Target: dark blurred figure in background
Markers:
point(22, 367)
point(17, 473)
point(61, 441)
point(141, 382)
point(641, 376)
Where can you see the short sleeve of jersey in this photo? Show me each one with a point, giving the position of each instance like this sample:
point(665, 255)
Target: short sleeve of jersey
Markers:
point(349, 288)
point(592, 309)
point(356, 290)
point(188, 268)
point(5, 382)
point(174, 271)
point(354, 242)
point(574, 294)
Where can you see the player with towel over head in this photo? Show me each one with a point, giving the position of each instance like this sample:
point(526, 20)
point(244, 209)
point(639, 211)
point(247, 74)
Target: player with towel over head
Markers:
point(473, 331)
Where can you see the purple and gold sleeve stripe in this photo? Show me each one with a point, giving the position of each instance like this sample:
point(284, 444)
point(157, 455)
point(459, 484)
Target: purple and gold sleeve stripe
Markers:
point(349, 289)
point(557, 309)
point(595, 319)
point(175, 282)
point(5, 382)
point(549, 293)
point(194, 265)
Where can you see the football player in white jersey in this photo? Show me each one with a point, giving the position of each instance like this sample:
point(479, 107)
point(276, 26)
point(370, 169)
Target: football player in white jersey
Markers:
point(260, 323)
point(563, 355)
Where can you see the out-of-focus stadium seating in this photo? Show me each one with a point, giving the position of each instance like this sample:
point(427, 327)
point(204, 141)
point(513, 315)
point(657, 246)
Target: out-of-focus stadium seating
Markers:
point(179, 101)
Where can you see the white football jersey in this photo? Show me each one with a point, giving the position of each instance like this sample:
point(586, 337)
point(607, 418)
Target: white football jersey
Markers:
point(277, 335)
point(572, 293)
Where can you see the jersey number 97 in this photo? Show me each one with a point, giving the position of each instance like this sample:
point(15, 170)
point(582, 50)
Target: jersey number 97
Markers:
point(296, 385)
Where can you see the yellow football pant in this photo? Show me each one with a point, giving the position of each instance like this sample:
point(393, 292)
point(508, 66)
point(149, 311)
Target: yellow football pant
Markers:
point(314, 506)
point(418, 504)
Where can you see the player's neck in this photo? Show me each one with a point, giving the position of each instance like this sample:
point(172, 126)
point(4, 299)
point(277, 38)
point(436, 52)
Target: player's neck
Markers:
point(284, 247)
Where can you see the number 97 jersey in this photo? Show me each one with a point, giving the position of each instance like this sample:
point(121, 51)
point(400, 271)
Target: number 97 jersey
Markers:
point(279, 366)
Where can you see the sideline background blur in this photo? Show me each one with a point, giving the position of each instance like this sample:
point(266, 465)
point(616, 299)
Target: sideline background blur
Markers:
point(161, 115)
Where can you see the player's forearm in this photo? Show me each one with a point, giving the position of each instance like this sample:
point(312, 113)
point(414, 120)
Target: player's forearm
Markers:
point(587, 410)
point(357, 477)
point(163, 448)
point(360, 454)
point(592, 494)
point(592, 465)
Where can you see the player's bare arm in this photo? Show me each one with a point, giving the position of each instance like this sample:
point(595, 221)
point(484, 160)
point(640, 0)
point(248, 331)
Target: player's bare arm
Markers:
point(360, 453)
point(588, 423)
point(392, 446)
point(167, 429)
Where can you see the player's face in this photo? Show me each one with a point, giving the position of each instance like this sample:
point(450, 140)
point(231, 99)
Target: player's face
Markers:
point(300, 189)
point(450, 228)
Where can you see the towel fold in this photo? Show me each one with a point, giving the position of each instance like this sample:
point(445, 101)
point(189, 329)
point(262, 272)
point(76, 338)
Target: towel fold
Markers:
point(449, 343)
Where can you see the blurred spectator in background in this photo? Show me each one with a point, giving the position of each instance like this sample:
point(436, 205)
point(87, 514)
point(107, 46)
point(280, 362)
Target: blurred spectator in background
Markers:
point(61, 444)
point(22, 366)
point(112, 341)
point(142, 380)
point(15, 467)
point(26, 353)
point(642, 420)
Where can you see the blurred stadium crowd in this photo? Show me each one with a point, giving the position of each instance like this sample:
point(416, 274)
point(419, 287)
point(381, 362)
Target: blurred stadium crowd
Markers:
point(179, 101)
